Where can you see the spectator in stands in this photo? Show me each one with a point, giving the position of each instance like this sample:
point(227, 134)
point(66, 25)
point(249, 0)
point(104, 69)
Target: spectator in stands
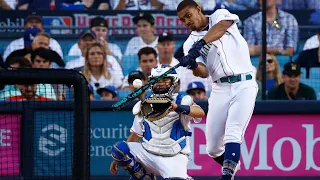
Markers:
point(273, 75)
point(30, 34)
point(14, 63)
point(8, 4)
point(86, 39)
point(237, 4)
point(292, 89)
point(96, 4)
point(312, 42)
point(31, 21)
point(145, 30)
point(28, 92)
point(17, 62)
point(147, 60)
point(197, 91)
point(107, 93)
point(96, 71)
point(207, 5)
point(166, 47)
point(299, 4)
point(133, 4)
point(34, 4)
point(42, 40)
point(282, 31)
point(43, 58)
point(22, 92)
point(10, 90)
point(100, 27)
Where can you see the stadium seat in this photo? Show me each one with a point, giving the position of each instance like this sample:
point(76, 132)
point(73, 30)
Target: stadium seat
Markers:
point(315, 83)
point(255, 61)
point(70, 58)
point(315, 73)
point(129, 63)
point(69, 94)
point(123, 93)
point(283, 60)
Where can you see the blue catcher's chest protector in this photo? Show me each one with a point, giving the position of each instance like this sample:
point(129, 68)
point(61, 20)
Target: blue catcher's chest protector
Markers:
point(166, 136)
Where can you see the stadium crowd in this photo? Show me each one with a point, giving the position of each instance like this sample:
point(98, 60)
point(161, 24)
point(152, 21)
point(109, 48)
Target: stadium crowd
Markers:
point(147, 4)
point(102, 62)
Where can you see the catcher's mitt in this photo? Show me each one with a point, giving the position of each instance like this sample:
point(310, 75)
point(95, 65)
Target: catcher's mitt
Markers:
point(155, 108)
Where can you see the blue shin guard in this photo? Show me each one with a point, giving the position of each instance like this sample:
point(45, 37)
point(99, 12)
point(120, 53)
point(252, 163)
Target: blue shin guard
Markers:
point(231, 159)
point(124, 159)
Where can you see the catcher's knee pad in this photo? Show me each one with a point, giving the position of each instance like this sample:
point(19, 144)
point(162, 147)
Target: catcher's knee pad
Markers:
point(121, 155)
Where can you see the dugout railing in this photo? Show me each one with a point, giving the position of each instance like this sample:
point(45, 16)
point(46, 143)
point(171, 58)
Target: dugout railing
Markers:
point(76, 162)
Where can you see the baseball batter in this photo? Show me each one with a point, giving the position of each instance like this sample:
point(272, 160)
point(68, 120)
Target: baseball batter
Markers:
point(159, 140)
point(215, 47)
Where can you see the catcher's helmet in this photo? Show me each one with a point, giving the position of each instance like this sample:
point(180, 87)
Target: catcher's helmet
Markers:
point(159, 70)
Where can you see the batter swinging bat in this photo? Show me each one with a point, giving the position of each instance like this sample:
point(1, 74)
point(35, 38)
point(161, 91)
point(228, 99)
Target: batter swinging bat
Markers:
point(126, 100)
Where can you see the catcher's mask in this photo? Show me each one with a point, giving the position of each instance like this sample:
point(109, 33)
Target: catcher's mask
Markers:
point(168, 84)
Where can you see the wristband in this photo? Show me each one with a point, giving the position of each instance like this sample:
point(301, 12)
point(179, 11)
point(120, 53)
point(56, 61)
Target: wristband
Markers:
point(203, 42)
point(183, 109)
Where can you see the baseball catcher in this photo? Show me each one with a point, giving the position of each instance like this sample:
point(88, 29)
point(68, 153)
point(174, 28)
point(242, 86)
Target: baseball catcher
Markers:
point(159, 140)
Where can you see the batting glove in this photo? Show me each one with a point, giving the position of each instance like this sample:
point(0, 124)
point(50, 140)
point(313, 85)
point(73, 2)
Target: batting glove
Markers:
point(189, 62)
point(196, 48)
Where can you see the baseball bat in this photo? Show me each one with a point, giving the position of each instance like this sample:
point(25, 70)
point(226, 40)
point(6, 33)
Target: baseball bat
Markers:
point(126, 100)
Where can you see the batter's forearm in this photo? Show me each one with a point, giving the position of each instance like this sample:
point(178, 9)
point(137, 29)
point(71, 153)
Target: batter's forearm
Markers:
point(217, 31)
point(196, 112)
point(201, 71)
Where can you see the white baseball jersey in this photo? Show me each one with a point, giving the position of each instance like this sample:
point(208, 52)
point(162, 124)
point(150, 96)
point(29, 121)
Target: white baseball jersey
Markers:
point(159, 136)
point(19, 44)
point(136, 43)
point(75, 50)
point(230, 104)
point(227, 56)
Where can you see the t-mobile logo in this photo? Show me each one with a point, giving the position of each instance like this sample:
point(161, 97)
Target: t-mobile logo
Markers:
point(4, 138)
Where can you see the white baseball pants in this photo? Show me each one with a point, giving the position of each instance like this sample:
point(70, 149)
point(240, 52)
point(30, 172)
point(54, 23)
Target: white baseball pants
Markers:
point(230, 109)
